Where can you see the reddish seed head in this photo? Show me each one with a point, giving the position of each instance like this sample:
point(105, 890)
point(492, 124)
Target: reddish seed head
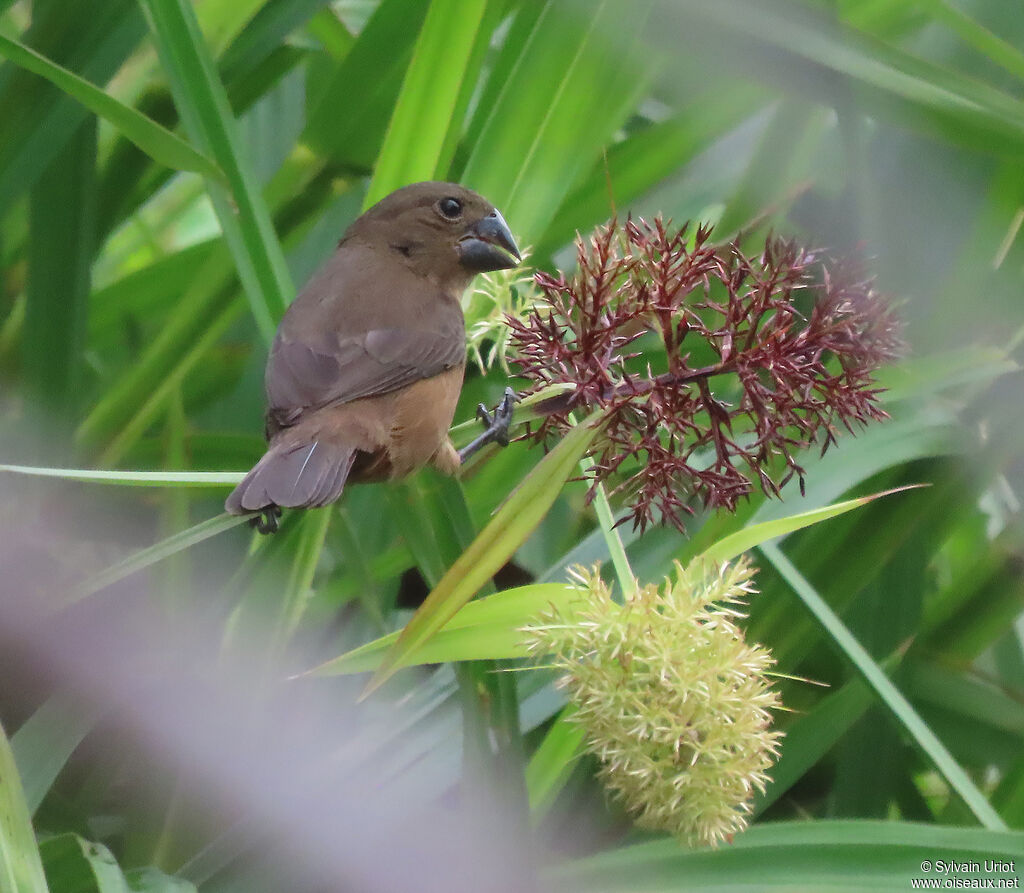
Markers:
point(761, 356)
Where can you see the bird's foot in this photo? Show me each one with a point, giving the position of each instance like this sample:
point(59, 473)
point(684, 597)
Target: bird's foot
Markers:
point(267, 520)
point(496, 426)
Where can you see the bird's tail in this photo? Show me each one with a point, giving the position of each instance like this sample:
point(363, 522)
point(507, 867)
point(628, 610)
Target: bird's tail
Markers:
point(294, 475)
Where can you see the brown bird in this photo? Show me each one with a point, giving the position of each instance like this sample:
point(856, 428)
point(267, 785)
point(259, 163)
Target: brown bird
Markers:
point(367, 364)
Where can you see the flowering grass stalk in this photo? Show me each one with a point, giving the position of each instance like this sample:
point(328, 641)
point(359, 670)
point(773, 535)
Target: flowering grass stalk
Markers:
point(673, 702)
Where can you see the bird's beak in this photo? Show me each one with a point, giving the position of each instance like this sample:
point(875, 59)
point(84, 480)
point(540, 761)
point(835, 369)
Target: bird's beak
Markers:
point(489, 246)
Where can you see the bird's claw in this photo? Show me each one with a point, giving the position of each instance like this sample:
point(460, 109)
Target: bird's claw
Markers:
point(267, 520)
point(502, 420)
point(496, 426)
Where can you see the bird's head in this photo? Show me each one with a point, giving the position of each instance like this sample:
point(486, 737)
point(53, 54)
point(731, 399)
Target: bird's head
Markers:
point(440, 229)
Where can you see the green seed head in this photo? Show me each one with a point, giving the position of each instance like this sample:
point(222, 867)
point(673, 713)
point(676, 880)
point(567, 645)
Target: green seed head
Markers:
point(672, 700)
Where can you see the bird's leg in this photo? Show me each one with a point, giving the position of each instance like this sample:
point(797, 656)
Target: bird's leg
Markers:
point(266, 521)
point(496, 426)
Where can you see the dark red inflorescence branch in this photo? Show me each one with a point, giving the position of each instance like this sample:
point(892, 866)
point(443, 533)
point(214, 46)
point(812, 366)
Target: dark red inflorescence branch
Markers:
point(788, 343)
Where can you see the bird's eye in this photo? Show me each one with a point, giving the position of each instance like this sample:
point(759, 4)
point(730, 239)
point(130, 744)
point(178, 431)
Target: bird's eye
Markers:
point(450, 208)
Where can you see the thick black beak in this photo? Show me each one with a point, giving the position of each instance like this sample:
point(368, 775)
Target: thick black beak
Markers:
point(489, 246)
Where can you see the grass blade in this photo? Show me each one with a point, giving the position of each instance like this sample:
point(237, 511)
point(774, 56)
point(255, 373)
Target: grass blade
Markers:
point(645, 158)
point(62, 204)
point(73, 863)
point(812, 736)
point(788, 856)
point(741, 541)
point(552, 762)
point(133, 478)
point(984, 41)
point(92, 38)
point(206, 114)
point(46, 740)
point(21, 870)
point(350, 112)
point(157, 142)
point(198, 310)
point(897, 704)
point(508, 529)
point(818, 54)
point(484, 629)
point(530, 153)
point(425, 111)
point(158, 552)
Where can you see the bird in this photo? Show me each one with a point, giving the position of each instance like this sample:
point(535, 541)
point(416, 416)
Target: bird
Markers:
point(367, 363)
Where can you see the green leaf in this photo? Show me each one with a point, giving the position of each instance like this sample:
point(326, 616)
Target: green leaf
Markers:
point(587, 65)
point(816, 55)
point(812, 736)
point(792, 856)
point(157, 142)
point(152, 880)
point(134, 478)
point(79, 865)
point(21, 870)
point(426, 106)
point(206, 114)
point(488, 628)
point(645, 158)
point(744, 540)
point(197, 310)
point(46, 740)
point(221, 21)
point(153, 402)
point(304, 560)
point(890, 696)
point(982, 39)
point(148, 293)
point(351, 112)
point(62, 246)
point(552, 762)
point(511, 525)
point(920, 376)
point(269, 27)
point(92, 38)
point(157, 552)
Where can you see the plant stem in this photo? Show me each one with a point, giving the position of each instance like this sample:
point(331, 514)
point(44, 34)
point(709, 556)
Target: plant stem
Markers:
point(606, 520)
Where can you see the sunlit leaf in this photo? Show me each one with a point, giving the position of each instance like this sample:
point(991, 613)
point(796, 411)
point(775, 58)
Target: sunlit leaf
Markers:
point(484, 629)
point(511, 525)
point(21, 870)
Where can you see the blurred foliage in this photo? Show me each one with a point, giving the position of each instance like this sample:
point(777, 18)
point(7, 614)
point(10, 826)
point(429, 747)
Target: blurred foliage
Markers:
point(137, 299)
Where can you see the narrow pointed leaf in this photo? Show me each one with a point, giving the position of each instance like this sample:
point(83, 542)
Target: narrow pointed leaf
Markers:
point(92, 38)
point(514, 521)
point(789, 856)
point(157, 552)
point(46, 740)
point(21, 870)
point(157, 142)
point(483, 629)
point(133, 478)
point(350, 112)
point(426, 107)
point(890, 696)
point(552, 762)
point(203, 105)
point(588, 63)
point(743, 540)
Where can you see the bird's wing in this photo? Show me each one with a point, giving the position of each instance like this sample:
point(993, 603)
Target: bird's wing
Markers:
point(303, 375)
